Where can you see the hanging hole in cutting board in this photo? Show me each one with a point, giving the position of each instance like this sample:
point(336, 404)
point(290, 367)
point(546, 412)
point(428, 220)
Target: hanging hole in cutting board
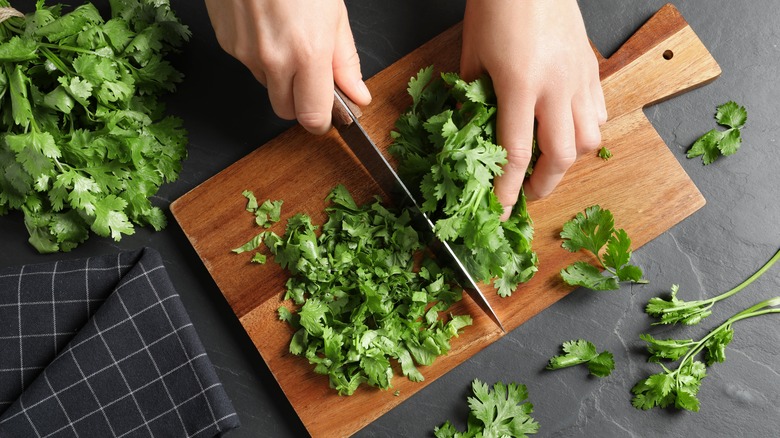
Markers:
point(668, 54)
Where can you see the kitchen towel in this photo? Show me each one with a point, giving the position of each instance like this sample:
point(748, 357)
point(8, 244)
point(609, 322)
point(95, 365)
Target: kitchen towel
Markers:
point(103, 347)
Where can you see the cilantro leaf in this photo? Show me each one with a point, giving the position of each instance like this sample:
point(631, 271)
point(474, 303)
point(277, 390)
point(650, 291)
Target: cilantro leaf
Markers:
point(604, 153)
point(592, 230)
point(498, 412)
point(583, 352)
point(715, 143)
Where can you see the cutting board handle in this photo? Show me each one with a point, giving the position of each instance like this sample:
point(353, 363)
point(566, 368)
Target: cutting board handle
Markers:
point(662, 59)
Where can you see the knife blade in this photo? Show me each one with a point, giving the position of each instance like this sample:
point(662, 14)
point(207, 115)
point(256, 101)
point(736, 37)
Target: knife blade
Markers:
point(345, 119)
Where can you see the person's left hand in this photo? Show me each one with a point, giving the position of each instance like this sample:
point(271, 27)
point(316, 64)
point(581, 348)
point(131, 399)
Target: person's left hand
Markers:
point(543, 68)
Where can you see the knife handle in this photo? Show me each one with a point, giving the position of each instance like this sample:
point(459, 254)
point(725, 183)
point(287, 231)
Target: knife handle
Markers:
point(343, 110)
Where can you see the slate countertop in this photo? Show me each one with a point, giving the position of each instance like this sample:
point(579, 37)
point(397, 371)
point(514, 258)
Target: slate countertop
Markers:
point(227, 115)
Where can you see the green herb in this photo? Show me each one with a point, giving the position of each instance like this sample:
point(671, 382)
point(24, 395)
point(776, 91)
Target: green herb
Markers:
point(581, 351)
point(500, 412)
point(604, 153)
point(363, 300)
point(84, 142)
point(591, 231)
point(674, 310)
point(679, 386)
point(715, 143)
point(446, 147)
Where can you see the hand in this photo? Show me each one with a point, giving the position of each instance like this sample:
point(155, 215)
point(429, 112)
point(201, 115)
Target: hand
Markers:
point(297, 49)
point(542, 66)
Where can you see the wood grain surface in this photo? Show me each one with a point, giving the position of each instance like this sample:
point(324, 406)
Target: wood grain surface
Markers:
point(643, 185)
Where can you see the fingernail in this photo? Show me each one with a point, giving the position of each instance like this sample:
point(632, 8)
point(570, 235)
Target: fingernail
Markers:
point(363, 89)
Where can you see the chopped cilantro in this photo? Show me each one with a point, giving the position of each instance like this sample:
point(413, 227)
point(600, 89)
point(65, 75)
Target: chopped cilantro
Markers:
point(84, 141)
point(581, 351)
point(500, 412)
point(604, 153)
point(364, 300)
point(716, 143)
point(591, 231)
point(446, 147)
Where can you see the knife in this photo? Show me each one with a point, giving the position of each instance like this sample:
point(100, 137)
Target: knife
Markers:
point(345, 119)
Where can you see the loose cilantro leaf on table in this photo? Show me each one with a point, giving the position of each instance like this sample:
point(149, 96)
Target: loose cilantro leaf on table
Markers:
point(363, 299)
point(604, 153)
point(581, 351)
point(593, 230)
point(679, 386)
point(84, 140)
point(496, 413)
point(446, 147)
point(674, 310)
point(716, 143)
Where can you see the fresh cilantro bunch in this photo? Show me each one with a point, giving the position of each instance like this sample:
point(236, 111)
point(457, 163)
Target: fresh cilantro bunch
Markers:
point(84, 141)
point(581, 351)
point(364, 302)
point(497, 413)
point(446, 147)
point(715, 143)
point(679, 386)
point(674, 310)
point(591, 231)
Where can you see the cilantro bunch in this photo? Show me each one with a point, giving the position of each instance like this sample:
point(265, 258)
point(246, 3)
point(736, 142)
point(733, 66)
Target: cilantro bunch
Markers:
point(84, 141)
point(364, 302)
point(497, 413)
point(679, 386)
point(446, 147)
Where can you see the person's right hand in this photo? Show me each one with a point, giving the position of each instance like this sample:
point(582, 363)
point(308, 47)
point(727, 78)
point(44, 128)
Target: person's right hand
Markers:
point(298, 49)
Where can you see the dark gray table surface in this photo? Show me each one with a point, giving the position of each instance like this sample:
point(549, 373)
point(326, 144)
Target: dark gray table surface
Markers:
point(228, 115)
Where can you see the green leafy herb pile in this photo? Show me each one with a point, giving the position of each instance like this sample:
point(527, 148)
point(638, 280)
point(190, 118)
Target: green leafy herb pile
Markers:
point(364, 299)
point(446, 146)
point(497, 413)
point(716, 143)
point(583, 352)
point(679, 386)
point(84, 141)
point(591, 231)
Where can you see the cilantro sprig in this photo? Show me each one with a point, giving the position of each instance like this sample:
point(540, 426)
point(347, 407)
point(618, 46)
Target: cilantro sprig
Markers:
point(500, 412)
point(362, 301)
point(717, 143)
point(674, 310)
point(84, 141)
point(446, 147)
point(679, 386)
point(592, 230)
point(583, 352)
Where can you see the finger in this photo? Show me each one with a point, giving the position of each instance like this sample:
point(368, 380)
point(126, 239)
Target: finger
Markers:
point(346, 66)
point(555, 136)
point(313, 95)
point(597, 96)
point(280, 93)
point(515, 133)
point(587, 135)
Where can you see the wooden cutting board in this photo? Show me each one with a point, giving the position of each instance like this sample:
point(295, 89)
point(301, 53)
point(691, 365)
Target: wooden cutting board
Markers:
point(643, 185)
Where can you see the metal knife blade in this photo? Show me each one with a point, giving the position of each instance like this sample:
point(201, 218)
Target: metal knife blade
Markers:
point(345, 119)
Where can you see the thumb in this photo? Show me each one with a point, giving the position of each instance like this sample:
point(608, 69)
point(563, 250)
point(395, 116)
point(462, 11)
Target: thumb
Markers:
point(346, 65)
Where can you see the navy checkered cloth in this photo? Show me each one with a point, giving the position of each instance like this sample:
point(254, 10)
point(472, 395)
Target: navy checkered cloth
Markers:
point(103, 347)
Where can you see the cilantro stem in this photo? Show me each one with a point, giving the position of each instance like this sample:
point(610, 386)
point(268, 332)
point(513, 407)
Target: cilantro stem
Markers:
point(55, 60)
point(747, 313)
